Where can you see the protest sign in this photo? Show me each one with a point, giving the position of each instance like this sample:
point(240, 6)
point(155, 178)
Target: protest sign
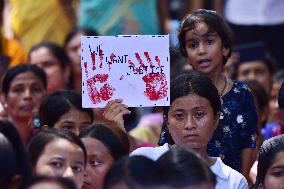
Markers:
point(133, 68)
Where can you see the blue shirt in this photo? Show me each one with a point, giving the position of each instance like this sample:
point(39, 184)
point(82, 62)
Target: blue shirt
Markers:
point(237, 129)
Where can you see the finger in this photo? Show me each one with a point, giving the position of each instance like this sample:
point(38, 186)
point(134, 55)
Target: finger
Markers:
point(110, 104)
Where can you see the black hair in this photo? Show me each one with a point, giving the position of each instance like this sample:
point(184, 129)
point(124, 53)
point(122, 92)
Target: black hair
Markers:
point(55, 49)
point(11, 73)
point(23, 165)
point(45, 136)
point(266, 155)
point(59, 103)
point(75, 31)
point(259, 93)
point(8, 162)
point(183, 167)
point(214, 22)
point(193, 82)
point(115, 145)
point(134, 172)
point(65, 182)
point(281, 96)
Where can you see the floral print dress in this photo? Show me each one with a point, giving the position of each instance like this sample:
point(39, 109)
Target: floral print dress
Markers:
point(237, 129)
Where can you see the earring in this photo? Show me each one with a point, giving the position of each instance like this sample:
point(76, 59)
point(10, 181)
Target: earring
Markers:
point(5, 105)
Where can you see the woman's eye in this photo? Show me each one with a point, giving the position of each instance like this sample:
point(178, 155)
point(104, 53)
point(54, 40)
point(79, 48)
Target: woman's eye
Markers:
point(18, 89)
point(95, 163)
point(68, 127)
point(178, 116)
point(199, 114)
point(278, 173)
point(77, 169)
point(56, 164)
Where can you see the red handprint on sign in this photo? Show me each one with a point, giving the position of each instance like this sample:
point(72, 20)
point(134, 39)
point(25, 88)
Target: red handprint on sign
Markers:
point(106, 91)
point(156, 82)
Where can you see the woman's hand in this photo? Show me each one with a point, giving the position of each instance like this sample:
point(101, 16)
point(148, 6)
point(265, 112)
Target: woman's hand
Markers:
point(114, 112)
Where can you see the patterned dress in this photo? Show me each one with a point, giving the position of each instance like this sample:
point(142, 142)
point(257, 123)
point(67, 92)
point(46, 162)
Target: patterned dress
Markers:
point(237, 129)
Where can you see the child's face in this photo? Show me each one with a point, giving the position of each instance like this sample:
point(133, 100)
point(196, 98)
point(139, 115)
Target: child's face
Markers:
point(204, 50)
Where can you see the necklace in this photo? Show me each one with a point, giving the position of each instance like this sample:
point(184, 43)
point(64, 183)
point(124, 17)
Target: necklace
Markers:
point(225, 87)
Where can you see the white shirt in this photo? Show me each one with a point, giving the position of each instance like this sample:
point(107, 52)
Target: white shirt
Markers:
point(254, 12)
point(227, 178)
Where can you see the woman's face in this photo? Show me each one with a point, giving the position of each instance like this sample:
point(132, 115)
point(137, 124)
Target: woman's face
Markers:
point(274, 177)
point(73, 120)
point(99, 161)
point(73, 49)
point(26, 91)
point(62, 158)
point(192, 122)
point(44, 59)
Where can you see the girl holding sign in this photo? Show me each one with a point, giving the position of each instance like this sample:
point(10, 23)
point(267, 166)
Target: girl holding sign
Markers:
point(205, 40)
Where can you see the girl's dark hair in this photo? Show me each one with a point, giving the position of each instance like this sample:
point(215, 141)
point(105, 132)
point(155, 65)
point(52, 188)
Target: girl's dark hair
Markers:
point(59, 103)
point(65, 182)
point(214, 22)
point(193, 82)
point(266, 155)
point(23, 165)
point(56, 50)
point(8, 162)
point(135, 172)
point(45, 136)
point(183, 167)
point(75, 31)
point(11, 73)
point(115, 145)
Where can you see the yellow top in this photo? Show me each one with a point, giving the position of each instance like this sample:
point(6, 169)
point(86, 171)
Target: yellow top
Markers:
point(35, 21)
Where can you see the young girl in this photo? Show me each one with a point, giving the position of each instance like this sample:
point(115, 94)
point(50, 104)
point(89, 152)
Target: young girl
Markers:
point(205, 41)
point(192, 118)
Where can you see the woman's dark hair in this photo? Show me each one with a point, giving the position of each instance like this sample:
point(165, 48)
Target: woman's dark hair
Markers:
point(193, 82)
point(134, 172)
point(23, 165)
point(56, 50)
point(183, 167)
point(75, 31)
point(266, 156)
point(65, 182)
point(45, 136)
point(59, 103)
point(214, 22)
point(112, 141)
point(11, 73)
point(8, 162)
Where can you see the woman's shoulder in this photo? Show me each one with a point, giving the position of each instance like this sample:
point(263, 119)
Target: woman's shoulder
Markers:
point(228, 177)
point(151, 152)
point(239, 89)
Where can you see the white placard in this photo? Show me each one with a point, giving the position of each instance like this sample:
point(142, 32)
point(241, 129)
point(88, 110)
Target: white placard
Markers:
point(134, 68)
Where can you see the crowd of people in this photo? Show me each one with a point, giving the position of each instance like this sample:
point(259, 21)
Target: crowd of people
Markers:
point(223, 128)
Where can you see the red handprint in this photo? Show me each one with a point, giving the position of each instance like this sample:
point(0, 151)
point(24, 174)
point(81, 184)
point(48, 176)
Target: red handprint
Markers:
point(106, 91)
point(156, 83)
